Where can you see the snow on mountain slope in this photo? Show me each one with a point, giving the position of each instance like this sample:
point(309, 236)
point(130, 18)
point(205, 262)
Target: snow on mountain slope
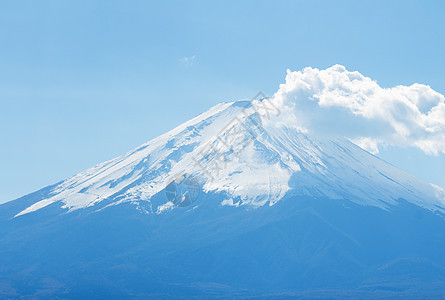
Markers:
point(240, 149)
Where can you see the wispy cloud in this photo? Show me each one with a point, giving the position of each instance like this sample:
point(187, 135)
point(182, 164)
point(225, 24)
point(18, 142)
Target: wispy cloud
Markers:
point(338, 102)
point(188, 59)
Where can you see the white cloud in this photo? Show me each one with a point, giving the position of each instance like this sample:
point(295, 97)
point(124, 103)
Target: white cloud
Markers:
point(339, 102)
point(187, 60)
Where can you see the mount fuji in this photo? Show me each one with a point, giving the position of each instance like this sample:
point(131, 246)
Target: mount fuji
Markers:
point(233, 203)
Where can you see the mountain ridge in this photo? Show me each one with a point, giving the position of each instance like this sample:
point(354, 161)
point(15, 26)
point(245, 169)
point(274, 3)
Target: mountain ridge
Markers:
point(279, 213)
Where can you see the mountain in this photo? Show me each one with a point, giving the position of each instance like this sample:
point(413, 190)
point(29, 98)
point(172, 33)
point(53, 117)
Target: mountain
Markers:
point(230, 204)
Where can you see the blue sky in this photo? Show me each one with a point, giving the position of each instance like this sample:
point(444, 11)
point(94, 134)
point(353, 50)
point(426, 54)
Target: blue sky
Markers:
point(83, 82)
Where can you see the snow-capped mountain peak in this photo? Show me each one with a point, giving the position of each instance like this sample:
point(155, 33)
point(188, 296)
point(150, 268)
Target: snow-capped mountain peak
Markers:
point(240, 150)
